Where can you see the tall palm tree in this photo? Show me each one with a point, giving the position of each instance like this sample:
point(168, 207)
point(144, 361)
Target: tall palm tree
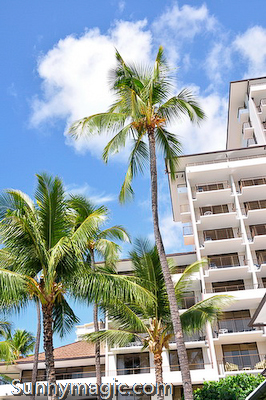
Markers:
point(150, 324)
point(143, 107)
point(100, 243)
point(41, 239)
point(17, 345)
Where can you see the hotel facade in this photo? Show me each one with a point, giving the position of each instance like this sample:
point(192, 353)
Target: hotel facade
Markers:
point(220, 198)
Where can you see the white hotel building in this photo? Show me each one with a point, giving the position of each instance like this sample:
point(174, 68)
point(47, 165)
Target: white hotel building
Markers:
point(220, 197)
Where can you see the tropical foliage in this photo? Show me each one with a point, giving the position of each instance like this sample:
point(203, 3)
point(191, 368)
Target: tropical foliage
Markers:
point(101, 244)
point(144, 107)
point(16, 345)
point(236, 387)
point(43, 258)
point(150, 323)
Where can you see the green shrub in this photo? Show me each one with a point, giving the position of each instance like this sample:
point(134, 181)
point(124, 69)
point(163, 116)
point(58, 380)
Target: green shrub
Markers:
point(236, 387)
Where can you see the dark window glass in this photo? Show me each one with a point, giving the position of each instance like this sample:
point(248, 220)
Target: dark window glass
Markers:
point(195, 359)
point(128, 364)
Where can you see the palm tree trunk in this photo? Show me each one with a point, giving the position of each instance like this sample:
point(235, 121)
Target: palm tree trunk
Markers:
point(158, 363)
point(96, 329)
point(181, 349)
point(36, 351)
point(47, 311)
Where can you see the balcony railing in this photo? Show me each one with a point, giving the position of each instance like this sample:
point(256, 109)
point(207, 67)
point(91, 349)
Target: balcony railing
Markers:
point(64, 376)
point(231, 288)
point(133, 370)
point(243, 362)
point(212, 186)
point(252, 182)
point(192, 366)
point(194, 337)
point(232, 326)
point(224, 261)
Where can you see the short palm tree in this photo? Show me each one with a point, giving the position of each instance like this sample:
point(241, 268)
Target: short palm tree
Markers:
point(144, 106)
point(101, 243)
point(17, 345)
point(39, 239)
point(151, 323)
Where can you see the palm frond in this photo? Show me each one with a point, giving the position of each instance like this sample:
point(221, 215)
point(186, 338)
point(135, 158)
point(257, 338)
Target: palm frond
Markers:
point(63, 316)
point(112, 337)
point(204, 311)
point(137, 161)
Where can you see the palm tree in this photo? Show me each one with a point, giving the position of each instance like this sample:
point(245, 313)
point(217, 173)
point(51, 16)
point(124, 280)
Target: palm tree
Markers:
point(17, 345)
point(151, 323)
point(101, 243)
point(143, 108)
point(41, 239)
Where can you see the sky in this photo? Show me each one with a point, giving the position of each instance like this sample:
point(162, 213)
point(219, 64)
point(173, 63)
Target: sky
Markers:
point(55, 58)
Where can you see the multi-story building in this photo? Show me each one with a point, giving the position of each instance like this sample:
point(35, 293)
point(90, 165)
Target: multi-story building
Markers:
point(220, 197)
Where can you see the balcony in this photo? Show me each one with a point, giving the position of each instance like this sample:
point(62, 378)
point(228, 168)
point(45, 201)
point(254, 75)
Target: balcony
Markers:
point(243, 363)
point(226, 265)
point(247, 130)
point(252, 189)
point(214, 217)
point(212, 194)
point(258, 235)
point(255, 211)
point(220, 241)
point(232, 326)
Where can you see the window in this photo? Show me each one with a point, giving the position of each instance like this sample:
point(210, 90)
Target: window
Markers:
point(128, 364)
point(264, 282)
point(244, 355)
point(228, 286)
point(224, 260)
point(214, 209)
point(218, 234)
point(188, 300)
point(195, 359)
point(234, 321)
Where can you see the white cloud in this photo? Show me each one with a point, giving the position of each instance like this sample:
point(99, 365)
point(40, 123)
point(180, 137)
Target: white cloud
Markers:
point(252, 47)
point(121, 5)
point(218, 60)
point(75, 75)
point(210, 135)
point(172, 234)
point(177, 25)
point(90, 192)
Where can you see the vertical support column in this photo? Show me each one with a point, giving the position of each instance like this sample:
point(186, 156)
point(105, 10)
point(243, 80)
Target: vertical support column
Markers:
point(197, 246)
point(244, 233)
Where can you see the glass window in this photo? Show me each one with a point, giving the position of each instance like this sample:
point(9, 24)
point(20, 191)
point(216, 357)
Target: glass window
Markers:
point(228, 286)
point(128, 364)
point(224, 260)
point(195, 359)
point(243, 356)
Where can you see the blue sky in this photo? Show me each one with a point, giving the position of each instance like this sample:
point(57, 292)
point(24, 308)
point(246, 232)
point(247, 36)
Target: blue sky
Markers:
point(55, 56)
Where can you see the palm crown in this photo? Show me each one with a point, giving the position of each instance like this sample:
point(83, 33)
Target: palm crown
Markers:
point(143, 102)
